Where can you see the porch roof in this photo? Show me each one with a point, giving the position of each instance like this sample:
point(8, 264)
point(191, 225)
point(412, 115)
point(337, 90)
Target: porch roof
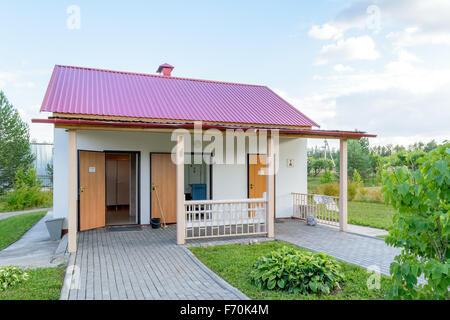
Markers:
point(106, 124)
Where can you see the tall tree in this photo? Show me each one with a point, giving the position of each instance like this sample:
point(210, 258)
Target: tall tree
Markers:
point(359, 157)
point(14, 143)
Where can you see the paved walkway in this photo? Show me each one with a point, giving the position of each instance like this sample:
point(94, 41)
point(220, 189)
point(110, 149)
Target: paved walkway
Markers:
point(4, 215)
point(145, 264)
point(33, 250)
point(357, 249)
point(367, 231)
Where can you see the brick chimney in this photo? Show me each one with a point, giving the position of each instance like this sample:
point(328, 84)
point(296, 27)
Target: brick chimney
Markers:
point(165, 69)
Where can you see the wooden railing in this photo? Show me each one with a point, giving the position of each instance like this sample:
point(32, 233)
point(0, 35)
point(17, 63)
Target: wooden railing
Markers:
point(324, 208)
point(225, 218)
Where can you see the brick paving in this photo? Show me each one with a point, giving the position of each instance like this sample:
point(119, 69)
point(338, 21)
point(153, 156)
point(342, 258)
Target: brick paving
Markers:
point(361, 250)
point(145, 264)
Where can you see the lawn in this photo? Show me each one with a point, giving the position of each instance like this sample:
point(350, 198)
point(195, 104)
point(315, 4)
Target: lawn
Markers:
point(234, 263)
point(12, 228)
point(372, 214)
point(43, 284)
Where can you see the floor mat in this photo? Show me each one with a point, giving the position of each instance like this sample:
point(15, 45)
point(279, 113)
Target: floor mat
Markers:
point(131, 228)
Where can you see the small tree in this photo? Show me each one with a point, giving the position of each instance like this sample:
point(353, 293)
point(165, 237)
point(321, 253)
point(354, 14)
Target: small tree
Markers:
point(421, 226)
point(327, 177)
point(357, 178)
point(14, 144)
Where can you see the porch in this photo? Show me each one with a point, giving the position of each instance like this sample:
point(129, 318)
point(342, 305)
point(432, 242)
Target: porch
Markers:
point(197, 219)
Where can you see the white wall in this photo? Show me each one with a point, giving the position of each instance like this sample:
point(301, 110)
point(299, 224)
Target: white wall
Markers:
point(290, 179)
point(60, 176)
point(229, 181)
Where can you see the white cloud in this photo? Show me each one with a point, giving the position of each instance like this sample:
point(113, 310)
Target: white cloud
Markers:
point(325, 32)
point(414, 36)
point(354, 48)
point(342, 68)
point(421, 22)
point(403, 102)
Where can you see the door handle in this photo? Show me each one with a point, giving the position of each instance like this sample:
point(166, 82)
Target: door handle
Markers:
point(251, 186)
point(82, 189)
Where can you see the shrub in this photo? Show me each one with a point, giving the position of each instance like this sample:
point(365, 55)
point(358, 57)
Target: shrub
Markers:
point(421, 226)
point(327, 177)
point(27, 192)
point(328, 189)
point(352, 190)
point(357, 178)
point(11, 276)
point(299, 272)
point(28, 197)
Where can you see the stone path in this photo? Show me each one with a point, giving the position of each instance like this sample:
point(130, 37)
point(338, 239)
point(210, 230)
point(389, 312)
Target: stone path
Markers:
point(361, 250)
point(145, 264)
point(33, 250)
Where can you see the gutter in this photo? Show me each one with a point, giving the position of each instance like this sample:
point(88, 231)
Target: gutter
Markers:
point(324, 133)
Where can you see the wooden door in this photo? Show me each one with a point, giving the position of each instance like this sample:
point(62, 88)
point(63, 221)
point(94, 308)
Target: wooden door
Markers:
point(163, 173)
point(92, 190)
point(257, 179)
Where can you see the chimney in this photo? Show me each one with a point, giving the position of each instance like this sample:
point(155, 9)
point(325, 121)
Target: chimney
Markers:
point(165, 69)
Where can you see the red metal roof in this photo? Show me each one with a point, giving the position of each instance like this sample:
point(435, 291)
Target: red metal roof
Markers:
point(78, 90)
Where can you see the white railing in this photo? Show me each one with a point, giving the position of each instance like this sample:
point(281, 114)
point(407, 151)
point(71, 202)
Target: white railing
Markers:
point(225, 218)
point(324, 208)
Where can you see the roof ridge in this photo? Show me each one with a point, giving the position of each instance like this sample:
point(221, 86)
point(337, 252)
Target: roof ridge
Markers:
point(158, 76)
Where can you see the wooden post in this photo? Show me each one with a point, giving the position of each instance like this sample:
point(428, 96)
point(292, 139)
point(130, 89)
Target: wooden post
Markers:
point(72, 190)
point(180, 190)
point(270, 187)
point(343, 186)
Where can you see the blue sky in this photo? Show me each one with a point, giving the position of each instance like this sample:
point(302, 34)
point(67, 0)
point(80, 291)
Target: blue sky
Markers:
point(378, 66)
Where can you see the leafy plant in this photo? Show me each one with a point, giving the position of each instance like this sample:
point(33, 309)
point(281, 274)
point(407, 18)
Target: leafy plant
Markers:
point(421, 226)
point(328, 189)
point(299, 272)
point(327, 177)
point(27, 192)
point(357, 178)
point(11, 276)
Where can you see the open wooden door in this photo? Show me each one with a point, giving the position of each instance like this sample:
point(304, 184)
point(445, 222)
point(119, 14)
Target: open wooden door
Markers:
point(163, 173)
point(92, 190)
point(256, 176)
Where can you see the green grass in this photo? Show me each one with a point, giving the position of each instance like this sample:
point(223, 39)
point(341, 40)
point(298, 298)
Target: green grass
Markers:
point(371, 214)
point(234, 263)
point(12, 228)
point(43, 284)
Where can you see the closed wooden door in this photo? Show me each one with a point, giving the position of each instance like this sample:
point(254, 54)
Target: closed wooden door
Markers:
point(256, 176)
point(163, 187)
point(92, 190)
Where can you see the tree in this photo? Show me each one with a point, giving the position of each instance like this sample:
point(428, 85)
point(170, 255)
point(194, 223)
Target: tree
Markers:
point(14, 143)
point(359, 157)
point(421, 226)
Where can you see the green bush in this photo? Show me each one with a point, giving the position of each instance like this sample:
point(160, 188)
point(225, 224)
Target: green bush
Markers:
point(352, 190)
point(27, 198)
point(11, 276)
point(332, 189)
point(421, 228)
point(328, 189)
point(298, 272)
point(327, 177)
point(27, 192)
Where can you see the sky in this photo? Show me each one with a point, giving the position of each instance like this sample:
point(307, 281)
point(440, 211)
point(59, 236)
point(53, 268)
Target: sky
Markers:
point(380, 66)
